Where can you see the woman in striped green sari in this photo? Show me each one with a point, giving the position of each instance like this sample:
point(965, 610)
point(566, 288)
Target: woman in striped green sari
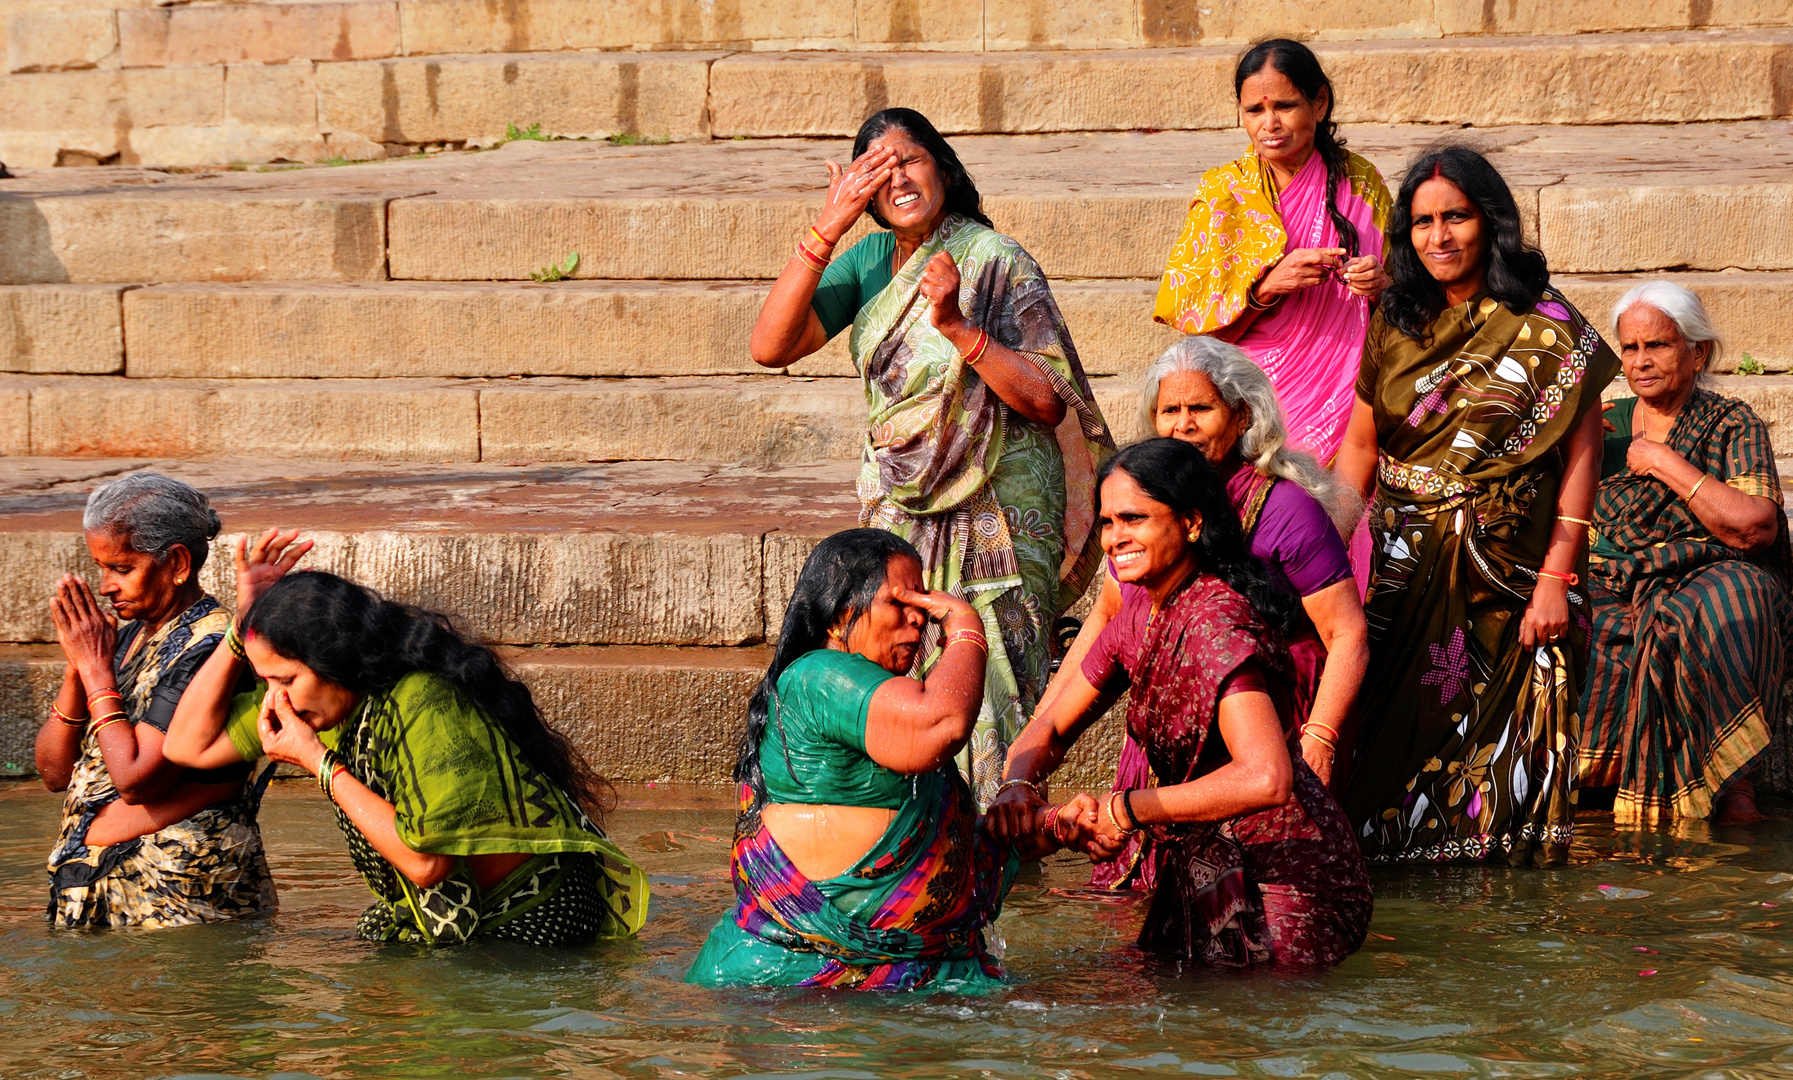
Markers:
point(1688, 576)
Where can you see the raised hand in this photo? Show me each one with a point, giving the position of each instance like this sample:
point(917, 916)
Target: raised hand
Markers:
point(285, 737)
point(1300, 269)
point(940, 284)
point(950, 611)
point(86, 633)
point(262, 564)
point(851, 190)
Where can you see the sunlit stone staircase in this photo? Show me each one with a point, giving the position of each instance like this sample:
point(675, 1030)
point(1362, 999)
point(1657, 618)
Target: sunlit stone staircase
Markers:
point(592, 472)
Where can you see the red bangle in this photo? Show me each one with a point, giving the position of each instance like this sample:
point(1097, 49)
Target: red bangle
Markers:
point(1573, 579)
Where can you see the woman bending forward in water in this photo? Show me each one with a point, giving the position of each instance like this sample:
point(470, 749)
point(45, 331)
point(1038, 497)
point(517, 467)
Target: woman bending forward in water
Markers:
point(465, 814)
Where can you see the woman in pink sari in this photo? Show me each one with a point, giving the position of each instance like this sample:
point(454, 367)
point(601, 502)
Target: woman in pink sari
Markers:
point(1282, 250)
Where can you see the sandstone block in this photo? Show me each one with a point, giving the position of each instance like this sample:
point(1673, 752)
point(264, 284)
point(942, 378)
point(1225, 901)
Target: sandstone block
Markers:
point(60, 40)
point(61, 328)
point(1111, 324)
point(328, 420)
point(116, 237)
point(747, 420)
point(272, 95)
point(30, 676)
point(1589, 228)
point(1237, 22)
point(463, 99)
point(79, 102)
point(454, 26)
point(1752, 311)
point(1458, 17)
point(231, 34)
point(15, 419)
point(916, 25)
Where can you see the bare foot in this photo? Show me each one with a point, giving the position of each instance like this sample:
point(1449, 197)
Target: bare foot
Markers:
point(1738, 805)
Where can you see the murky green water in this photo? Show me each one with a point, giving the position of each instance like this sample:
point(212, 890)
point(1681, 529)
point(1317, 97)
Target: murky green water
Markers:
point(1650, 956)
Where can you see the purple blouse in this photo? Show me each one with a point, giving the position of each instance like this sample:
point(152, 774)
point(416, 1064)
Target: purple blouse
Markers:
point(1294, 537)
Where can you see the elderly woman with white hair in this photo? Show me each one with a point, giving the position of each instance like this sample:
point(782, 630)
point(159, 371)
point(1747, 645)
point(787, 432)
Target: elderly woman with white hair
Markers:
point(1688, 573)
point(1210, 394)
point(144, 841)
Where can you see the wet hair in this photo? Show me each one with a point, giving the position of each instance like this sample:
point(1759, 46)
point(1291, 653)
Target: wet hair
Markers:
point(1172, 472)
point(1516, 272)
point(153, 514)
point(839, 579)
point(961, 194)
point(1683, 307)
point(354, 637)
point(1298, 64)
point(1264, 444)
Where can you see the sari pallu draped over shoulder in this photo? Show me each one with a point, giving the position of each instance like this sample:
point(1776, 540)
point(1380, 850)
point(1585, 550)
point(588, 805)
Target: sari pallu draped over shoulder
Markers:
point(910, 914)
point(1689, 633)
point(1001, 509)
point(1238, 227)
point(1469, 739)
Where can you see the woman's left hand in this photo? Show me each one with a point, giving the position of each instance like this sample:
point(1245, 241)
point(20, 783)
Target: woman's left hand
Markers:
point(285, 737)
point(1318, 757)
point(1365, 277)
point(1546, 618)
point(940, 284)
point(86, 633)
point(951, 612)
point(1646, 457)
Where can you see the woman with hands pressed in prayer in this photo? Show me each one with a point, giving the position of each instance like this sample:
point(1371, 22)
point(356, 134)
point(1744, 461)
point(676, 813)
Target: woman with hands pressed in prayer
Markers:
point(465, 814)
point(1255, 861)
point(144, 841)
point(983, 436)
point(858, 861)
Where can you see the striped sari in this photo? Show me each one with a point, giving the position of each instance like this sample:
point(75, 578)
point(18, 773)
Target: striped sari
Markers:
point(1689, 634)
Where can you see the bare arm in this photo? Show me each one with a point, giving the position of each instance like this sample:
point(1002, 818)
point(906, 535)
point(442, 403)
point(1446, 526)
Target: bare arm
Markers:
point(787, 329)
point(1014, 378)
point(912, 726)
point(1736, 519)
point(1547, 616)
point(1355, 463)
point(1337, 615)
point(1041, 748)
point(1108, 603)
point(59, 744)
point(1259, 776)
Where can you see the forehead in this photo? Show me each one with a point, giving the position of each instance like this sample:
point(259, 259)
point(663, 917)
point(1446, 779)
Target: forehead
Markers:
point(266, 661)
point(903, 143)
point(108, 545)
point(1121, 492)
point(1186, 386)
point(902, 571)
point(1642, 321)
point(1439, 194)
point(1268, 83)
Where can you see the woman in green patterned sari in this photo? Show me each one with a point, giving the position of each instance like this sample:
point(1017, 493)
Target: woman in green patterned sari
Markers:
point(464, 813)
point(1477, 429)
point(983, 438)
point(1689, 580)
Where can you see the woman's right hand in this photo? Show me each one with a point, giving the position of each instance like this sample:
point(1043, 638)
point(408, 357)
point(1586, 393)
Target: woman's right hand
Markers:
point(87, 634)
point(260, 565)
point(1010, 818)
point(1300, 269)
point(852, 189)
point(951, 612)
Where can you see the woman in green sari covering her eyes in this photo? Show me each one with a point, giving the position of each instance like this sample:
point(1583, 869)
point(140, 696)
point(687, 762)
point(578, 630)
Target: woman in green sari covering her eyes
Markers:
point(983, 437)
point(465, 814)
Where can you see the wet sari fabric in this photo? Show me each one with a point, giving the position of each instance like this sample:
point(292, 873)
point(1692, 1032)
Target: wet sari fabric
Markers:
point(1468, 739)
point(1000, 508)
point(208, 867)
point(1689, 634)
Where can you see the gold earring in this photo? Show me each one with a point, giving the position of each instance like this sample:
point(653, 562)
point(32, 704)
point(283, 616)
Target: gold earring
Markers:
point(181, 580)
point(1194, 535)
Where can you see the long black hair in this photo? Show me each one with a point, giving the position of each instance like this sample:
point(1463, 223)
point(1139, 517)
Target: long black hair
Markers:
point(1516, 273)
point(1172, 472)
point(840, 578)
point(356, 638)
point(1298, 64)
point(961, 194)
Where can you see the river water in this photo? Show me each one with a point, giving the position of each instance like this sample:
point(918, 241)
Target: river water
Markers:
point(1651, 955)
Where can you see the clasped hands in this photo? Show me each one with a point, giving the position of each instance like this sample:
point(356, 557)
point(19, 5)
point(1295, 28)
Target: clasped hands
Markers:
point(1019, 814)
point(1303, 268)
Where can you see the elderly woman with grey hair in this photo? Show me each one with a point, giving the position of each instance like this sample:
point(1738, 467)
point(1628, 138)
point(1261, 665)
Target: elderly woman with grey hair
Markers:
point(1688, 574)
point(1210, 394)
point(144, 842)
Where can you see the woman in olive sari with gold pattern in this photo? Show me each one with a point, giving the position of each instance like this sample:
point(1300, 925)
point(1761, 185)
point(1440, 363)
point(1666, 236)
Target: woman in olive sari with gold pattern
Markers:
point(1477, 426)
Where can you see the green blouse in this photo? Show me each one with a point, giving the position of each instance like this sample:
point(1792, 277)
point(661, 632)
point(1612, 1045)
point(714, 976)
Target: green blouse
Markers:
point(813, 751)
point(852, 280)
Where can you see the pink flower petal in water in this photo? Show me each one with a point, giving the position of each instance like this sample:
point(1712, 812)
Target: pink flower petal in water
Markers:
point(1646, 973)
point(1640, 948)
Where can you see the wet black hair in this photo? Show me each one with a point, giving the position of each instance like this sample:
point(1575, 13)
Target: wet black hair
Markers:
point(354, 637)
point(840, 578)
point(961, 194)
point(1516, 273)
point(1298, 64)
point(1172, 472)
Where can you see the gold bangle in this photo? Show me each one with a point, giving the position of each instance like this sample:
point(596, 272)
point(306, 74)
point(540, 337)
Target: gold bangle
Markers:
point(823, 240)
point(1695, 489)
point(978, 350)
point(1584, 522)
point(1028, 784)
point(1112, 796)
point(1328, 728)
point(811, 259)
point(66, 718)
point(973, 636)
point(116, 718)
point(98, 695)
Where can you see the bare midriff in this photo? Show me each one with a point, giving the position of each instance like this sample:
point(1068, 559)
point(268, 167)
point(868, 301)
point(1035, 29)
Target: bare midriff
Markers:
point(825, 841)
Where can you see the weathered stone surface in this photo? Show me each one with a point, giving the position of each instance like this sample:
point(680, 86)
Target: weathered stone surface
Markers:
point(61, 328)
point(461, 99)
point(452, 26)
point(749, 420)
point(344, 419)
point(1591, 228)
point(235, 33)
point(30, 675)
point(1753, 312)
point(60, 40)
point(272, 95)
point(15, 419)
point(100, 116)
point(636, 553)
point(917, 25)
point(1593, 16)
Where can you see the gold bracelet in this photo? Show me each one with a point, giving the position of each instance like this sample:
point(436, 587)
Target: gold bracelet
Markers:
point(1028, 784)
point(823, 240)
point(1695, 489)
point(1112, 796)
point(973, 636)
point(115, 718)
point(1583, 522)
point(66, 718)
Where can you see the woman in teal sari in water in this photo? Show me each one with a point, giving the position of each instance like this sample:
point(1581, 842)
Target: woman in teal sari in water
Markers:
point(982, 435)
point(858, 859)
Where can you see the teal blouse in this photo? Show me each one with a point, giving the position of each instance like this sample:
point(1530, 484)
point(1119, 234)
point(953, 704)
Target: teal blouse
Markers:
point(813, 750)
point(852, 280)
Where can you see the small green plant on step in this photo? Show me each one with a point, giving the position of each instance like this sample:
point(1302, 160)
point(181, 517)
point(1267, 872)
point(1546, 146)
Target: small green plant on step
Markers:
point(532, 132)
point(635, 138)
point(1749, 365)
point(558, 272)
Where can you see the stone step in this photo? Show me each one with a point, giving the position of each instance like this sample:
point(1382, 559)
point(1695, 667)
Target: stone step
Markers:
point(637, 714)
point(209, 107)
point(284, 330)
point(650, 553)
point(1599, 200)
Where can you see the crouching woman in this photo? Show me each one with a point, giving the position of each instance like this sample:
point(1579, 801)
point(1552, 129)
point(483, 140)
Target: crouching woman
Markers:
point(858, 861)
point(466, 815)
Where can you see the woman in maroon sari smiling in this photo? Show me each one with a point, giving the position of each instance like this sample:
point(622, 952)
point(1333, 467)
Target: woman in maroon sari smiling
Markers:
point(1255, 862)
